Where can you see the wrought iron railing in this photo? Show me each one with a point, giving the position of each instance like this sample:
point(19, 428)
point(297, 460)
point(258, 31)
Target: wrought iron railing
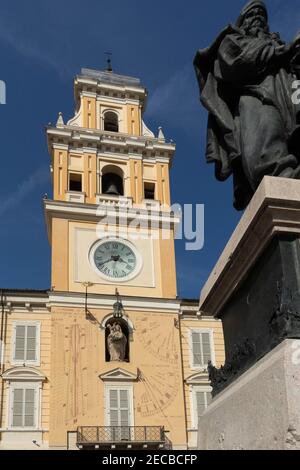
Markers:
point(90, 435)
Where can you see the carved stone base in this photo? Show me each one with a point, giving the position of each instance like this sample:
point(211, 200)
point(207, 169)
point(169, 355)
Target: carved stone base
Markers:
point(255, 286)
point(260, 410)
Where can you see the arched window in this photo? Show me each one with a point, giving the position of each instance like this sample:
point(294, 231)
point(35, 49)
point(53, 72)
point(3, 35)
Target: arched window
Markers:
point(111, 122)
point(112, 181)
point(116, 340)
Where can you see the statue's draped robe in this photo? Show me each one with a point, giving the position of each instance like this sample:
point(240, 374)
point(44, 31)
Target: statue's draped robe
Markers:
point(247, 89)
point(116, 342)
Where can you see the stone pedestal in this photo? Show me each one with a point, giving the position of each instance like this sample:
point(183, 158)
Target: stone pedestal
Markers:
point(255, 290)
point(255, 285)
point(261, 409)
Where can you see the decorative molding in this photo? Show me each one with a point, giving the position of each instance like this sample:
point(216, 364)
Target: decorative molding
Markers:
point(85, 136)
point(242, 355)
point(200, 378)
point(111, 316)
point(23, 374)
point(285, 321)
point(119, 375)
point(75, 196)
point(146, 132)
point(77, 299)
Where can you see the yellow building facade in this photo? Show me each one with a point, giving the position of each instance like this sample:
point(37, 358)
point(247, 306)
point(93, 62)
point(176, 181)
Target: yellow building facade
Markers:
point(108, 357)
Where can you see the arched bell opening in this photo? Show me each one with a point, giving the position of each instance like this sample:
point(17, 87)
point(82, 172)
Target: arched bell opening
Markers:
point(111, 122)
point(112, 181)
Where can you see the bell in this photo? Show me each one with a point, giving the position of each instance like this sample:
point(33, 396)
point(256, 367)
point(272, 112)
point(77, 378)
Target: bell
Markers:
point(112, 189)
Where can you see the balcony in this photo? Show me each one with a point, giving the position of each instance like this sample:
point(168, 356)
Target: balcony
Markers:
point(114, 201)
point(122, 437)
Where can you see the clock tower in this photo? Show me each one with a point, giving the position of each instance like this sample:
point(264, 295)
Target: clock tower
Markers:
point(107, 221)
point(111, 229)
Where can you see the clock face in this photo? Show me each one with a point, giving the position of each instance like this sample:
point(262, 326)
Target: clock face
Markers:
point(115, 259)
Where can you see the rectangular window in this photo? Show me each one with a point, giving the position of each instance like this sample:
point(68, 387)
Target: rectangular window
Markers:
point(24, 405)
point(201, 348)
point(75, 182)
point(119, 407)
point(26, 343)
point(149, 191)
point(202, 398)
point(119, 413)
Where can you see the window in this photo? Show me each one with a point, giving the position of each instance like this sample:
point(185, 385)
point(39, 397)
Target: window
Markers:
point(118, 411)
point(75, 182)
point(26, 342)
point(201, 348)
point(24, 405)
point(149, 191)
point(24, 397)
point(111, 122)
point(201, 397)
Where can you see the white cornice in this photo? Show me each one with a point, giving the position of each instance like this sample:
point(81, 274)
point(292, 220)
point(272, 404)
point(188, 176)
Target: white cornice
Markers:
point(96, 135)
point(113, 156)
point(110, 86)
point(62, 131)
point(116, 100)
point(95, 213)
point(60, 146)
point(92, 210)
point(89, 150)
point(88, 94)
point(73, 299)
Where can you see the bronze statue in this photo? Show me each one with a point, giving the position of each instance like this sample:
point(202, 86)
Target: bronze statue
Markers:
point(116, 343)
point(246, 80)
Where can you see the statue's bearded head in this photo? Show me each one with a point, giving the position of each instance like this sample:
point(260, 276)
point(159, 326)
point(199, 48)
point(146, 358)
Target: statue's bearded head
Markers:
point(254, 19)
point(255, 22)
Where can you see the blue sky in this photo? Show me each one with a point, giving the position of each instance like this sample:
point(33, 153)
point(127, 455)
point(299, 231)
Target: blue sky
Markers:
point(43, 44)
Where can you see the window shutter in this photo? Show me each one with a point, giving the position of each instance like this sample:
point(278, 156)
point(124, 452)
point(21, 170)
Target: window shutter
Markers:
point(124, 408)
point(29, 404)
point(25, 345)
point(206, 348)
point(201, 348)
point(201, 403)
point(17, 410)
point(113, 407)
point(31, 343)
point(196, 347)
point(203, 399)
point(119, 407)
point(24, 407)
point(19, 349)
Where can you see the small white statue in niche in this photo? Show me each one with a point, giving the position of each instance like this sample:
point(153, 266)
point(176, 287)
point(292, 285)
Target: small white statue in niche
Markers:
point(116, 342)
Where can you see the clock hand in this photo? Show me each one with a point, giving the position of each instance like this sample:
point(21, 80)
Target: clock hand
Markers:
point(104, 262)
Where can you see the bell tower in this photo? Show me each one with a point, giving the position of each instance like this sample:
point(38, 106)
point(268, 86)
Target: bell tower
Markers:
point(111, 230)
point(111, 193)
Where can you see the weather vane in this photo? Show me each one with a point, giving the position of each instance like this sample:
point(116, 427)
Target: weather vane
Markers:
point(109, 67)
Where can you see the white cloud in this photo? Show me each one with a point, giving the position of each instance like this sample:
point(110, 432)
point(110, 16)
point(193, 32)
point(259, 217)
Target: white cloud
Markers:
point(26, 187)
point(176, 98)
point(26, 47)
